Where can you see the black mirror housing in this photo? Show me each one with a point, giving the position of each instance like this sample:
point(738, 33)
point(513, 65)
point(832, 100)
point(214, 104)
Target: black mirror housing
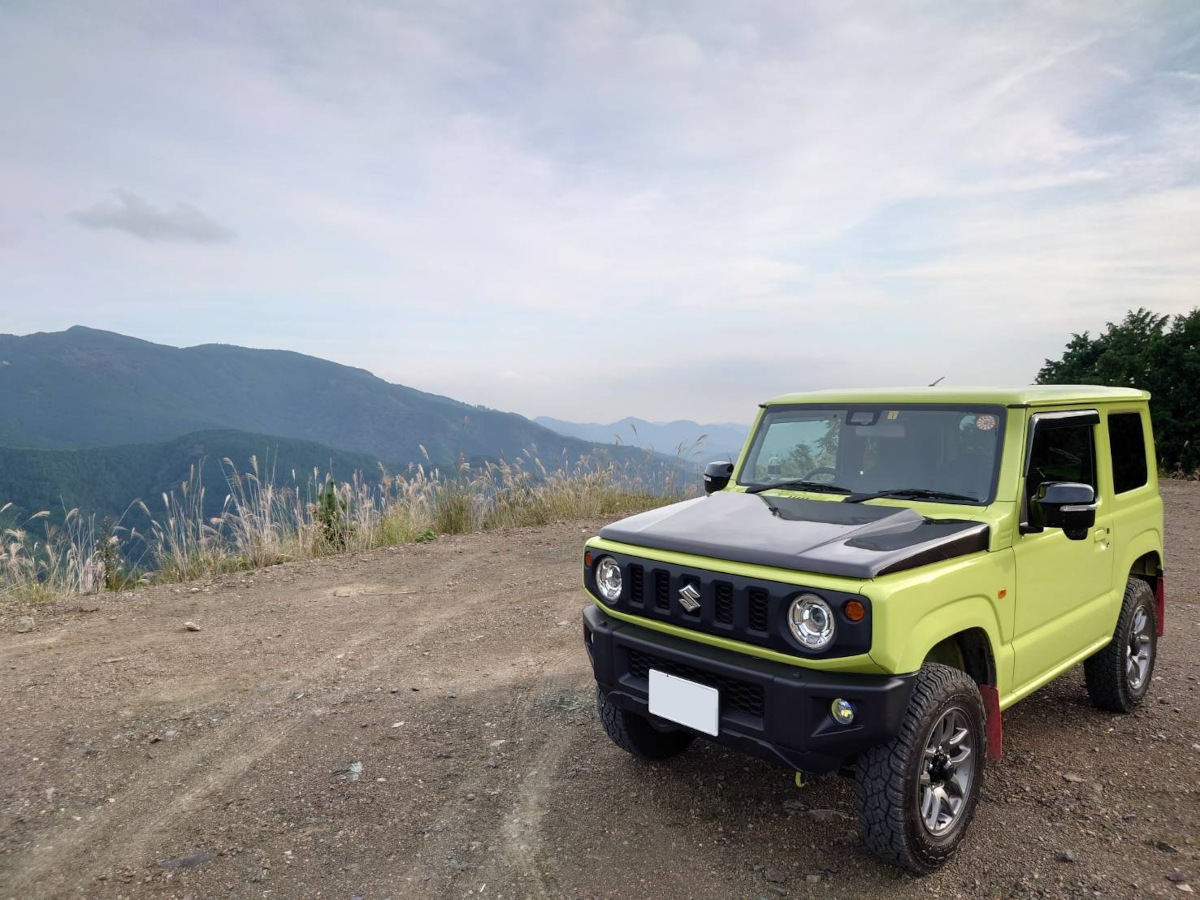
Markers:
point(717, 475)
point(1067, 505)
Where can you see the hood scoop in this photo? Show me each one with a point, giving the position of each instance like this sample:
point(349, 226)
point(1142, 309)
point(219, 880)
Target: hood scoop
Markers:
point(829, 537)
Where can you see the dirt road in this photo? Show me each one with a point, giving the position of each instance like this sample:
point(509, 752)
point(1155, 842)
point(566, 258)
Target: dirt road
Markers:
point(418, 722)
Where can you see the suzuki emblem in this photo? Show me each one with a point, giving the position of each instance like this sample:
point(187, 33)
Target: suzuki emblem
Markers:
point(689, 598)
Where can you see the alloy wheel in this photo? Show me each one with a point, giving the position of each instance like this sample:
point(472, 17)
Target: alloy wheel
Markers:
point(1137, 654)
point(947, 770)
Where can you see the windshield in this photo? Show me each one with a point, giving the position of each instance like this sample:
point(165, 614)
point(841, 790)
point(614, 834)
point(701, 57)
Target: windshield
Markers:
point(932, 449)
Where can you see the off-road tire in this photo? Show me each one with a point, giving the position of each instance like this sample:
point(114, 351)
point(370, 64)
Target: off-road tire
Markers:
point(887, 777)
point(1106, 671)
point(636, 735)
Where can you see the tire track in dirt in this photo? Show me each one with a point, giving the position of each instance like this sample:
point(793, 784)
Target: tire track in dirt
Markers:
point(522, 764)
point(522, 850)
point(215, 760)
point(210, 764)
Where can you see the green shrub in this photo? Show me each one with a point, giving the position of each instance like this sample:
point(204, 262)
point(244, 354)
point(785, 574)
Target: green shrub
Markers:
point(331, 516)
point(454, 508)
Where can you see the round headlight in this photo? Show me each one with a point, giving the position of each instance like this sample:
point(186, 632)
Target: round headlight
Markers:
point(811, 622)
point(608, 579)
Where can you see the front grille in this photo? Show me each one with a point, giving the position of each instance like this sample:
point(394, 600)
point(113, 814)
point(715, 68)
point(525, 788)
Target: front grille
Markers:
point(724, 602)
point(753, 610)
point(636, 579)
point(735, 693)
point(758, 609)
point(662, 584)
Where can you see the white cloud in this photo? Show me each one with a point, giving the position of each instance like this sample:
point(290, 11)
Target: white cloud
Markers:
point(182, 223)
point(604, 199)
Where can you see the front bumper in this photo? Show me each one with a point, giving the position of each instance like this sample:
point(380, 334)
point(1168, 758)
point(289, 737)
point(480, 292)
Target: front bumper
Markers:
point(771, 710)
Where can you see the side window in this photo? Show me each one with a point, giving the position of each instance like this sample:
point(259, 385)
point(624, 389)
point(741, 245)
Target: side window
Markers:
point(1128, 446)
point(1064, 453)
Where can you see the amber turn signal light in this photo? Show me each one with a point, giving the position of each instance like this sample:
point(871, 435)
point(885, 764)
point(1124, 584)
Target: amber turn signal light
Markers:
point(587, 559)
point(854, 610)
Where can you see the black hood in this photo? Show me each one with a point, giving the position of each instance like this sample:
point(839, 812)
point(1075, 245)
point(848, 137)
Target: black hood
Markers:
point(832, 538)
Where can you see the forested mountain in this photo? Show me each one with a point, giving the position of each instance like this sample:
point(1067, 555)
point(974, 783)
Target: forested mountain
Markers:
point(85, 388)
point(95, 420)
point(88, 388)
point(105, 480)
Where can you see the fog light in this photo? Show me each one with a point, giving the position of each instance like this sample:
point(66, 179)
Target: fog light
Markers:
point(842, 711)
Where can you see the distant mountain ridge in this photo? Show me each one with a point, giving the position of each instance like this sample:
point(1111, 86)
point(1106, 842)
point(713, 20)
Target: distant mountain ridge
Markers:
point(96, 419)
point(720, 440)
point(87, 388)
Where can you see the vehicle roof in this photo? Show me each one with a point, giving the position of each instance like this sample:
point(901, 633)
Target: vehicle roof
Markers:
point(1028, 395)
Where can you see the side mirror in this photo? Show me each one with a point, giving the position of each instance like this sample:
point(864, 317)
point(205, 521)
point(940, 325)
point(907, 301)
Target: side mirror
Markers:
point(717, 475)
point(1067, 505)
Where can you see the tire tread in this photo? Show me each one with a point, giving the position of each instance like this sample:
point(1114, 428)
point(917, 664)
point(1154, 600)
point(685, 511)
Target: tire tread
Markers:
point(636, 736)
point(882, 778)
point(1104, 671)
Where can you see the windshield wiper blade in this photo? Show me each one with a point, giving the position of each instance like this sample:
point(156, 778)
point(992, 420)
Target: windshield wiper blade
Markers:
point(914, 493)
point(799, 484)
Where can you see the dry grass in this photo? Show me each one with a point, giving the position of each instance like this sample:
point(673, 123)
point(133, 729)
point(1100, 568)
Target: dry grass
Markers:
point(64, 559)
point(262, 522)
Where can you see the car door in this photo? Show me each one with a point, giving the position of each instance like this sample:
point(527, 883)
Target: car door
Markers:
point(1062, 586)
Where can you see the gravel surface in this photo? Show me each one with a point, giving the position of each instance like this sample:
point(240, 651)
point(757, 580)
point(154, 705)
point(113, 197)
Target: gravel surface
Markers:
point(418, 722)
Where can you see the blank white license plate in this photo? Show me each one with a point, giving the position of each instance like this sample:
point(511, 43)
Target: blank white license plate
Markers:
point(684, 702)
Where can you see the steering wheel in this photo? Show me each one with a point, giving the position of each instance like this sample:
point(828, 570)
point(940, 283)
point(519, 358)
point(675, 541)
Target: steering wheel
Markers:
point(821, 470)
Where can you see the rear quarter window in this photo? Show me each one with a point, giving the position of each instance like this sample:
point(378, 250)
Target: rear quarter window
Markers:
point(1127, 443)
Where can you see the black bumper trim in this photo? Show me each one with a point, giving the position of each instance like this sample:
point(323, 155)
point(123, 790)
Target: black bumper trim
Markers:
point(790, 724)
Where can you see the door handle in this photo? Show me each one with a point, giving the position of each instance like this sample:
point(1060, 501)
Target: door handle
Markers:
point(1100, 535)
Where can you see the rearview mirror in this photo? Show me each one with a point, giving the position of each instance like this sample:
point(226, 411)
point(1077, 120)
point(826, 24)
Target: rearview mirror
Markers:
point(1067, 505)
point(717, 475)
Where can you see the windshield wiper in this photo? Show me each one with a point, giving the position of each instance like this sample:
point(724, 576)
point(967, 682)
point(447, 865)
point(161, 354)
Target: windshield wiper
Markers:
point(914, 493)
point(799, 484)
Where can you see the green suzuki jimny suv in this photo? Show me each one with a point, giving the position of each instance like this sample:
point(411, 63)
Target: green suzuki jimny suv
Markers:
point(877, 577)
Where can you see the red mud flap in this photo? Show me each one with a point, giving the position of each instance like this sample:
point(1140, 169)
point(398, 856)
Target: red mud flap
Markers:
point(995, 728)
point(1160, 602)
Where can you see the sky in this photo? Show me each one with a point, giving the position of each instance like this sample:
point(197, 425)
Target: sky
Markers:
point(596, 209)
